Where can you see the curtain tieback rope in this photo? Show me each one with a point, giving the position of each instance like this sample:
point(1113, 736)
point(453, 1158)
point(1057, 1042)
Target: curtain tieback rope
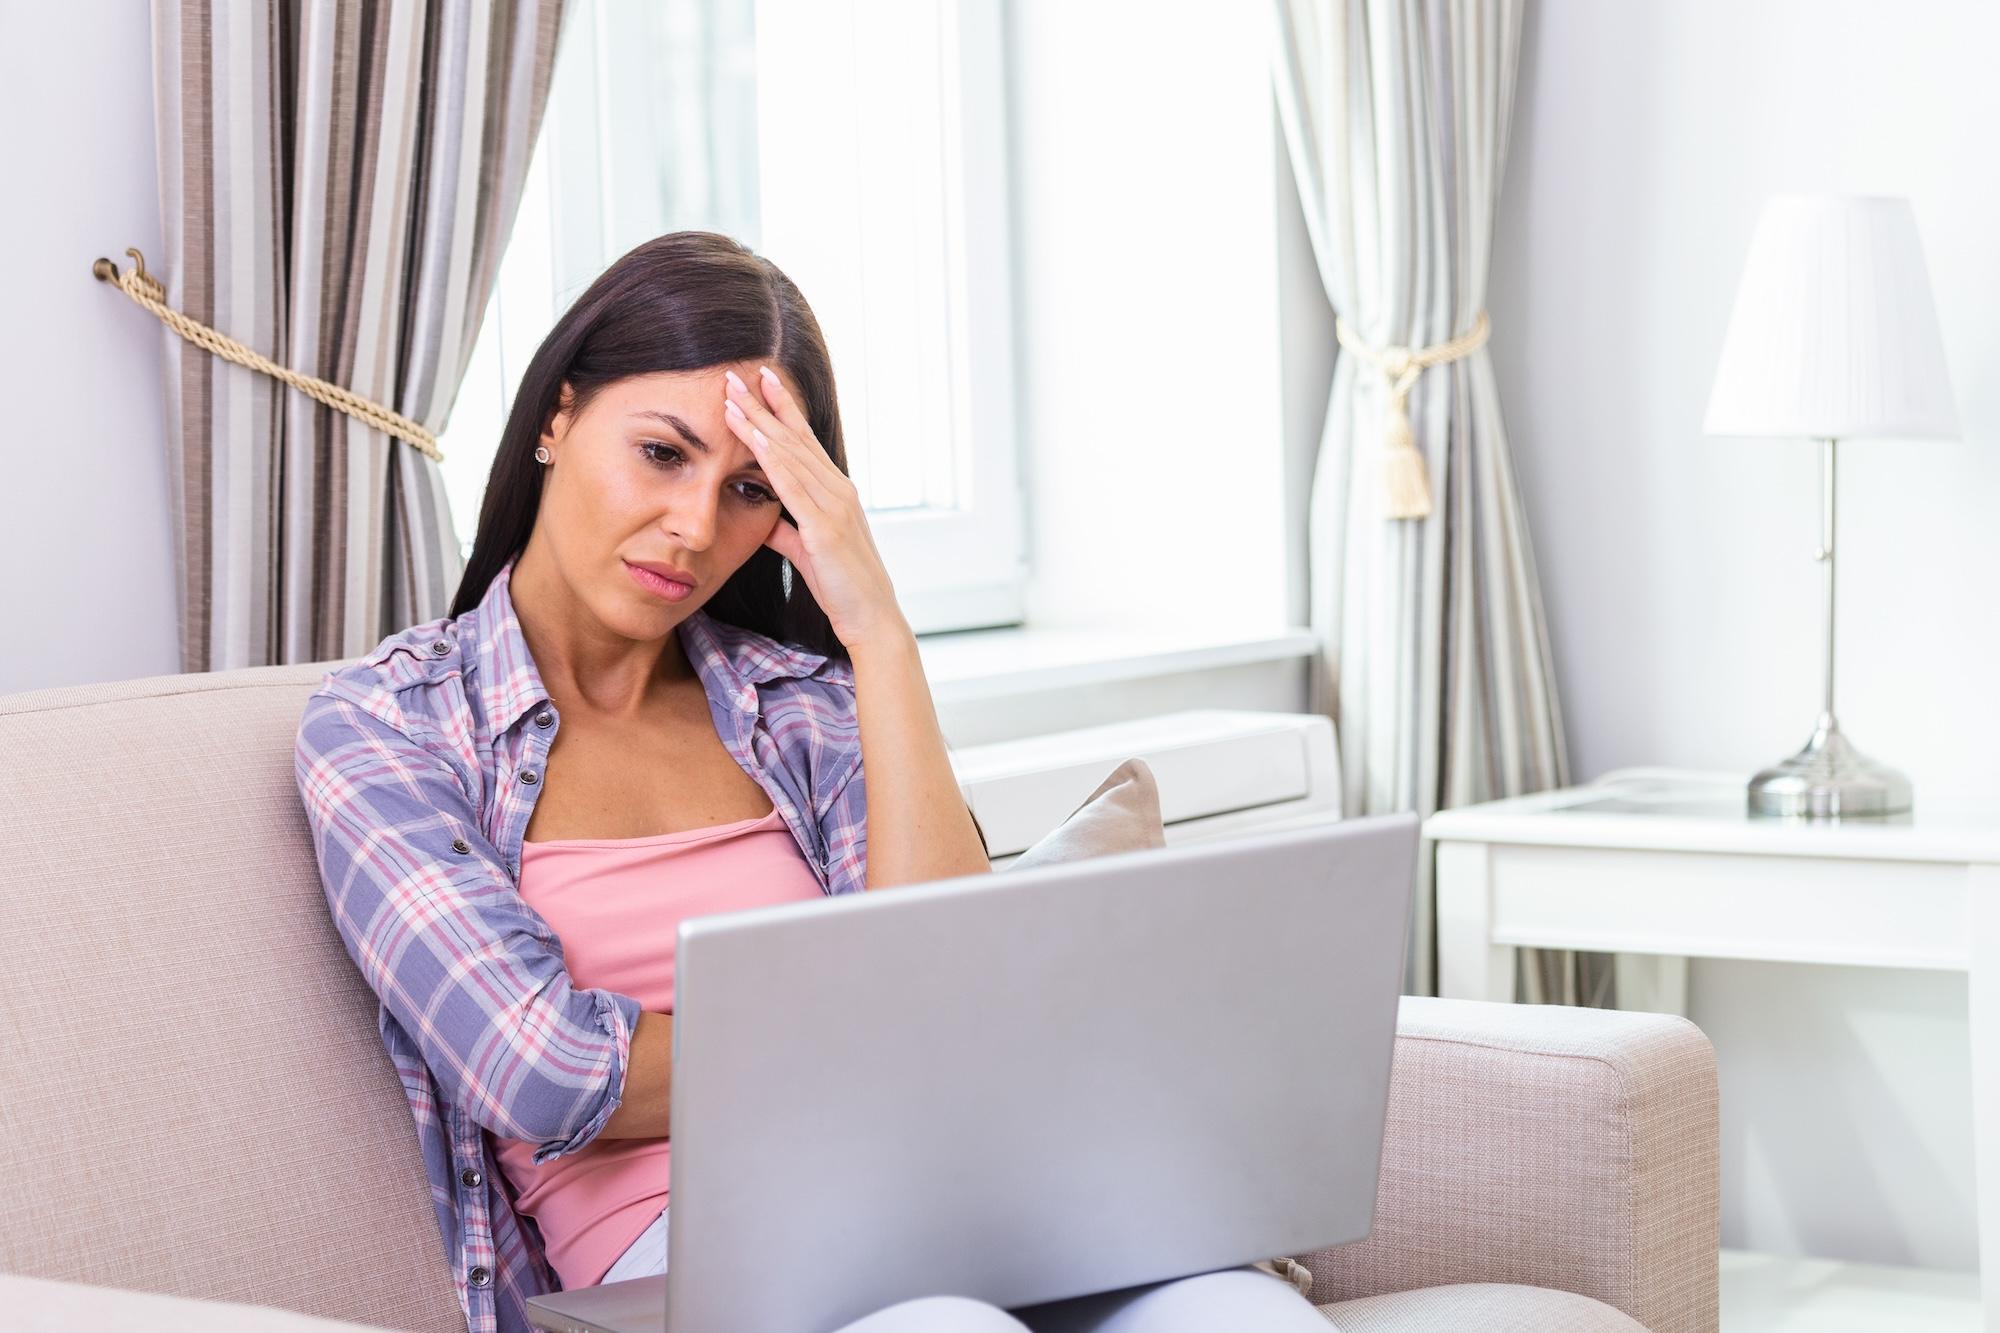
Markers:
point(148, 292)
point(1405, 483)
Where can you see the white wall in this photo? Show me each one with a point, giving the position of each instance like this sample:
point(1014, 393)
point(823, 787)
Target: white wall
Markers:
point(86, 556)
point(1684, 606)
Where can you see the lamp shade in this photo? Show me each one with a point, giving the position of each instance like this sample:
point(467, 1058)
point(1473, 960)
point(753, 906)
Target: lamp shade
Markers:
point(1834, 334)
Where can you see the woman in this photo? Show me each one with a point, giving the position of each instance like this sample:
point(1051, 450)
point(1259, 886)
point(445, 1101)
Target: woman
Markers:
point(673, 662)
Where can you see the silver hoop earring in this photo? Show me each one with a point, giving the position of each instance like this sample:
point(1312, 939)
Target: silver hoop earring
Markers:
point(542, 454)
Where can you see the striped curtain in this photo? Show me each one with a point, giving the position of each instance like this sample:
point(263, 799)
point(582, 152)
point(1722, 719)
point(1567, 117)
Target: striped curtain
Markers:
point(337, 183)
point(1434, 661)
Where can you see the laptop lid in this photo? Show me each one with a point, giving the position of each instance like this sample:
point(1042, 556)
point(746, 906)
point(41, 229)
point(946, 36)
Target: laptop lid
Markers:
point(1030, 1085)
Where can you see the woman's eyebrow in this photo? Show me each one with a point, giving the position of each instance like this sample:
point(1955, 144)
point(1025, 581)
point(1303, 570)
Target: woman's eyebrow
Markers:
point(686, 432)
point(670, 419)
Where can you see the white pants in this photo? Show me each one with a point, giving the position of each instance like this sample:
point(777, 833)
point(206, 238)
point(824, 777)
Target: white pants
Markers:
point(646, 1256)
point(1232, 1298)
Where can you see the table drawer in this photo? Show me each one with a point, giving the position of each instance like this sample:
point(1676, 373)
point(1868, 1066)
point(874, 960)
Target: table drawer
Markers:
point(1708, 905)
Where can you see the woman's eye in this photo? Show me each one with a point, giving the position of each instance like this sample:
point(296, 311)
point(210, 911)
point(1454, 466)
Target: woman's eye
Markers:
point(666, 455)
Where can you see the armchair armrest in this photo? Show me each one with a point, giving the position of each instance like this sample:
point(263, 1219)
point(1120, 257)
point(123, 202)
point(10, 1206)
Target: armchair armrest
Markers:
point(1548, 1146)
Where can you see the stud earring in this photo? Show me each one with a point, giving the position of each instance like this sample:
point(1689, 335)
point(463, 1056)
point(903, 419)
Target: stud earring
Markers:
point(542, 454)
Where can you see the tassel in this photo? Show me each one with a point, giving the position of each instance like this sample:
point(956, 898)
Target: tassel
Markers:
point(1406, 487)
point(1287, 1270)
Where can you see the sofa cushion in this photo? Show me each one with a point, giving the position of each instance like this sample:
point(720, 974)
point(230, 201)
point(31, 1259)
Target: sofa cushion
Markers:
point(43, 1305)
point(1490, 1307)
point(195, 1098)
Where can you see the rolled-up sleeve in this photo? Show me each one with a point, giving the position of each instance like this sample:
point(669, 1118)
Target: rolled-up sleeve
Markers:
point(433, 919)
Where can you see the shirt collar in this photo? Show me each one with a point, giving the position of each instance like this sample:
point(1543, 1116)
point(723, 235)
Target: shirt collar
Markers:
point(731, 660)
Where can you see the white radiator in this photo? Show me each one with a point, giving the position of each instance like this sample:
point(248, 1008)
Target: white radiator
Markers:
point(1220, 771)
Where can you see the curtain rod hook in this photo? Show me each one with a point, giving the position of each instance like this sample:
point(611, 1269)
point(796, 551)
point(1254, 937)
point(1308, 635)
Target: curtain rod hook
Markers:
point(106, 271)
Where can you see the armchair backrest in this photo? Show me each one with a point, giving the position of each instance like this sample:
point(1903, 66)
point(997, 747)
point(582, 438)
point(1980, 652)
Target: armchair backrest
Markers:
point(194, 1098)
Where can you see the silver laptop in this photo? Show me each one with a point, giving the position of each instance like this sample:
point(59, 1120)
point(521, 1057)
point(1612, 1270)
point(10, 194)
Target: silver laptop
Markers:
point(1027, 1085)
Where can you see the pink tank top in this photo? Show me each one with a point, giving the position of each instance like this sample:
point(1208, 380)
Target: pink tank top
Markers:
point(617, 904)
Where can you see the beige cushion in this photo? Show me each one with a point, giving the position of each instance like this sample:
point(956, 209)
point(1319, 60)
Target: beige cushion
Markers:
point(194, 1099)
point(1121, 814)
point(1490, 1307)
point(41, 1305)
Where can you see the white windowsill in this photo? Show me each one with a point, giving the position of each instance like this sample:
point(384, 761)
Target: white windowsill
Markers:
point(968, 665)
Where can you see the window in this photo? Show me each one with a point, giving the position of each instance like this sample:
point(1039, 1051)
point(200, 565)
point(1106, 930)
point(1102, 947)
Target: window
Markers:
point(860, 145)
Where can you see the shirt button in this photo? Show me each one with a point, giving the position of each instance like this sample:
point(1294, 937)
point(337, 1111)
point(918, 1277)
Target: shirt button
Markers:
point(543, 720)
point(461, 846)
point(470, 1178)
point(441, 647)
point(529, 776)
point(481, 1276)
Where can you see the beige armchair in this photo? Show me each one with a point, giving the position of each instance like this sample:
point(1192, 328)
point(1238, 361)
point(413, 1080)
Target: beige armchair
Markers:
point(200, 1128)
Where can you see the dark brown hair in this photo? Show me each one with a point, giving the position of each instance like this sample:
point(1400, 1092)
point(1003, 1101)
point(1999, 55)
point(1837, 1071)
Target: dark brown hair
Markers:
point(684, 301)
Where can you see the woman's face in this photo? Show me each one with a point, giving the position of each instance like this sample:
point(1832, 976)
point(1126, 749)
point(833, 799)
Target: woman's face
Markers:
point(631, 484)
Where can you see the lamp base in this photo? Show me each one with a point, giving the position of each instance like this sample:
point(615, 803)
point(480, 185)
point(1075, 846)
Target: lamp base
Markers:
point(1829, 779)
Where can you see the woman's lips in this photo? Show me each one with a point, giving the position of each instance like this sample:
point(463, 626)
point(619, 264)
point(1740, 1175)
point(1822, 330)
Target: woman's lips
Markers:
point(659, 587)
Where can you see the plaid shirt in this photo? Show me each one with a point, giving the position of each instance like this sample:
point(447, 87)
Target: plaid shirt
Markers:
point(418, 766)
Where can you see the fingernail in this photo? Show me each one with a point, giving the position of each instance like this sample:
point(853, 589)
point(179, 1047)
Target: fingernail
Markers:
point(758, 436)
point(733, 379)
point(769, 374)
point(731, 408)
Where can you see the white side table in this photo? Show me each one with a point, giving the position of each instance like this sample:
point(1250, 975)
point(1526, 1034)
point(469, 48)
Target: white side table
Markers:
point(1658, 865)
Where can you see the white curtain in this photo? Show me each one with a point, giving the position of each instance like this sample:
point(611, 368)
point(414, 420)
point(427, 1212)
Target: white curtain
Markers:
point(1434, 659)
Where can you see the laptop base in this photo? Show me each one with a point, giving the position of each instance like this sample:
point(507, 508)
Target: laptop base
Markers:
point(637, 1305)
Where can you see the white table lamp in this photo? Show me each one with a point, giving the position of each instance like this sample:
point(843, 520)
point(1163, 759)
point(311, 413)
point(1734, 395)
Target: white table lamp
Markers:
point(1834, 335)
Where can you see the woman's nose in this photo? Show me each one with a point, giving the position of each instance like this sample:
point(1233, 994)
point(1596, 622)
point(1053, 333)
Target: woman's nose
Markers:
point(692, 521)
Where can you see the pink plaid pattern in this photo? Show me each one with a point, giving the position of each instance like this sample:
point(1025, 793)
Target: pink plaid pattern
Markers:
point(418, 766)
